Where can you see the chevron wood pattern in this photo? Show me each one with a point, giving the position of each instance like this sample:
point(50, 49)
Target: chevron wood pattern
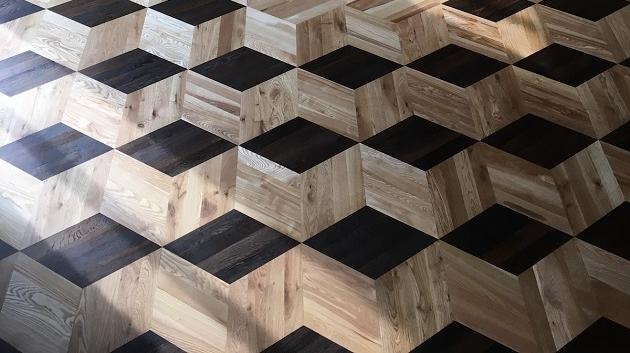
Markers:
point(314, 176)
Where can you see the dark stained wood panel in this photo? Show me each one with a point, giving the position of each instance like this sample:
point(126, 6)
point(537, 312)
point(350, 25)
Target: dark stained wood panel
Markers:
point(132, 71)
point(231, 246)
point(13, 9)
point(298, 144)
point(603, 336)
point(305, 340)
point(419, 142)
point(370, 242)
point(242, 68)
point(176, 147)
point(51, 151)
point(611, 233)
point(566, 65)
point(539, 141)
point(196, 12)
point(90, 250)
point(491, 10)
point(457, 65)
point(26, 71)
point(506, 239)
point(620, 137)
point(350, 67)
point(92, 13)
point(457, 338)
point(590, 10)
point(6, 250)
point(626, 62)
point(148, 342)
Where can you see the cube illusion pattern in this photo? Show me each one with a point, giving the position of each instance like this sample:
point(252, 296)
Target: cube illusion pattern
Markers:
point(314, 176)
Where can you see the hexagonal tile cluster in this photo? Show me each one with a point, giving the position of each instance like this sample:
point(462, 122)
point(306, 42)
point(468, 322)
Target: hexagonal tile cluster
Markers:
point(292, 176)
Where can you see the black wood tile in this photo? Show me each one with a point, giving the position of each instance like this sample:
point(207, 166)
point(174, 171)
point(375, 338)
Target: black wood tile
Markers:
point(626, 62)
point(305, 340)
point(539, 141)
point(231, 246)
point(457, 338)
point(6, 250)
point(588, 9)
point(242, 68)
point(298, 144)
point(13, 9)
point(506, 239)
point(26, 71)
point(7, 348)
point(92, 13)
point(612, 232)
point(419, 142)
point(370, 242)
point(196, 12)
point(90, 250)
point(603, 336)
point(176, 147)
point(350, 67)
point(457, 65)
point(491, 10)
point(149, 342)
point(132, 71)
point(619, 137)
point(566, 65)
point(51, 151)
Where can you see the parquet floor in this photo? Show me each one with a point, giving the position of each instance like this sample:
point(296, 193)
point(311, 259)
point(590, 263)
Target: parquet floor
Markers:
point(315, 176)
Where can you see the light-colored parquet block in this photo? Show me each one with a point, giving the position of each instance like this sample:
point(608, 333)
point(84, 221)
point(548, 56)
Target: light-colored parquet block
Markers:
point(594, 108)
point(115, 118)
point(200, 313)
point(355, 113)
point(477, 110)
point(33, 209)
point(189, 45)
point(33, 110)
point(619, 160)
point(399, 30)
point(299, 204)
point(295, 31)
point(607, 38)
point(16, 35)
point(78, 46)
point(509, 39)
point(238, 116)
point(163, 208)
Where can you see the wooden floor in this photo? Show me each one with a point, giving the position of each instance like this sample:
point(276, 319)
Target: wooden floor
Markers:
point(396, 176)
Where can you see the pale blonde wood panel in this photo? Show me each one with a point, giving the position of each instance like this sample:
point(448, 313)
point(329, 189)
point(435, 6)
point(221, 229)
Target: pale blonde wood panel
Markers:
point(16, 36)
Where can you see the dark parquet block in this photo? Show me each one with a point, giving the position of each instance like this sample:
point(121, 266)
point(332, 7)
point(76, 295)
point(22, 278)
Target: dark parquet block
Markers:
point(587, 9)
point(626, 63)
point(611, 232)
point(603, 336)
point(419, 142)
point(196, 12)
point(506, 239)
point(26, 71)
point(90, 250)
point(132, 71)
point(305, 340)
point(6, 250)
point(7, 348)
point(457, 338)
point(298, 144)
point(491, 10)
point(231, 246)
point(176, 148)
point(92, 13)
point(620, 137)
point(13, 9)
point(149, 342)
point(370, 242)
point(242, 68)
point(539, 141)
point(52, 151)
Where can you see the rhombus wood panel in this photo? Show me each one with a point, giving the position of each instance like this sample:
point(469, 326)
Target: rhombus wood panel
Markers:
point(314, 176)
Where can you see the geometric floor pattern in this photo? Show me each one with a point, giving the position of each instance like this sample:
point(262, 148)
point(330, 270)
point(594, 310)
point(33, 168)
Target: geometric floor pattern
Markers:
point(314, 176)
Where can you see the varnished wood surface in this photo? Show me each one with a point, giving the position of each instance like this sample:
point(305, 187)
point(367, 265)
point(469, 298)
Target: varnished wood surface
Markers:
point(371, 176)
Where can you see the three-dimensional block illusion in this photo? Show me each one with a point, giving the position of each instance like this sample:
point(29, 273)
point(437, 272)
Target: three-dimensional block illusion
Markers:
point(283, 176)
